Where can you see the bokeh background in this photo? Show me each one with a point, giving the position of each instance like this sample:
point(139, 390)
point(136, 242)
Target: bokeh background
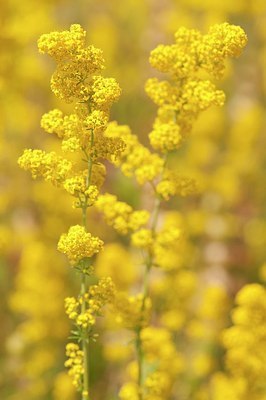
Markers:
point(225, 223)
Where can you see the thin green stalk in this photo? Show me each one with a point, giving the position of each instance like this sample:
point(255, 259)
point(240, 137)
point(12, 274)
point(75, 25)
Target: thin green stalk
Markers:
point(90, 161)
point(145, 289)
point(155, 214)
point(85, 346)
point(139, 361)
point(139, 350)
point(84, 289)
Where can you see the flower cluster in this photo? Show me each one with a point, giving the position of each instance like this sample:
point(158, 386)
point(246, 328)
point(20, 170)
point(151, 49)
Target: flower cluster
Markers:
point(120, 215)
point(173, 184)
point(143, 238)
point(50, 166)
point(132, 312)
point(77, 187)
point(181, 100)
point(136, 159)
point(75, 62)
point(76, 132)
point(194, 51)
point(244, 342)
point(95, 299)
point(159, 350)
point(75, 364)
point(162, 245)
point(78, 244)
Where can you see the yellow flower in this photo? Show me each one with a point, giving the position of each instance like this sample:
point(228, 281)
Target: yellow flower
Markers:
point(133, 311)
point(75, 62)
point(120, 215)
point(50, 166)
point(135, 159)
point(95, 299)
point(129, 391)
point(105, 91)
point(78, 244)
point(165, 137)
point(75, 364)
point(142, 238)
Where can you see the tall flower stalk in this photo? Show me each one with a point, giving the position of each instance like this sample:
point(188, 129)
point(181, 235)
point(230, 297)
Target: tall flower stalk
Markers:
point(180, 99)
point(78, 80)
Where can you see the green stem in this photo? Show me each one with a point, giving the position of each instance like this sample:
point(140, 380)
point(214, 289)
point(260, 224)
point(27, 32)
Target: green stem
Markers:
point(145, 292)
point(140, 361)
point(84, 216)
point(85, 345)
point(155, 215)
point(145, 289)
point(90, 161)
point(84, 289)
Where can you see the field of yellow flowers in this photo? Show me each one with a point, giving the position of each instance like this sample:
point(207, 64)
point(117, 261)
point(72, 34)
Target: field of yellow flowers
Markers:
point(133, 200)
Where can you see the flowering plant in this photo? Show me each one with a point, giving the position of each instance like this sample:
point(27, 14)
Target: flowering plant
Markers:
point(88, 139)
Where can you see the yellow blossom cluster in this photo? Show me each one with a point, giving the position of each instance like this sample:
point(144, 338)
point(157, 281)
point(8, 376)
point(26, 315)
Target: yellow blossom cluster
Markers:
point(50, 166)
point(158, 345)
point(75, 78)
point(166, 242)
point(162, 245)
point(187, 94)
point(95, 299)
point(75, 62)
point(143, 238)
point(76, 131)
point(165, 136)
point(120, 215)
point(176, 112)
point(193, 51)
point(159, 350)
point(221, 41)
point(136, 159)
point(77, 186)
point(245, 342)
point(173, 184)
point(132, 312)
point(78, 244)
point(75, 364)
point(157, 386)
point(98, 174)
point(105, 91)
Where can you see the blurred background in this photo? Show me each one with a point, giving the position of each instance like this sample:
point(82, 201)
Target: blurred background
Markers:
point(225, 223)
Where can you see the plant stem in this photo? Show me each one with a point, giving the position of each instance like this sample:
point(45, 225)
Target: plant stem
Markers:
point(145, 289)
point(85, 345)
point(84, 289)
point(140, 361)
